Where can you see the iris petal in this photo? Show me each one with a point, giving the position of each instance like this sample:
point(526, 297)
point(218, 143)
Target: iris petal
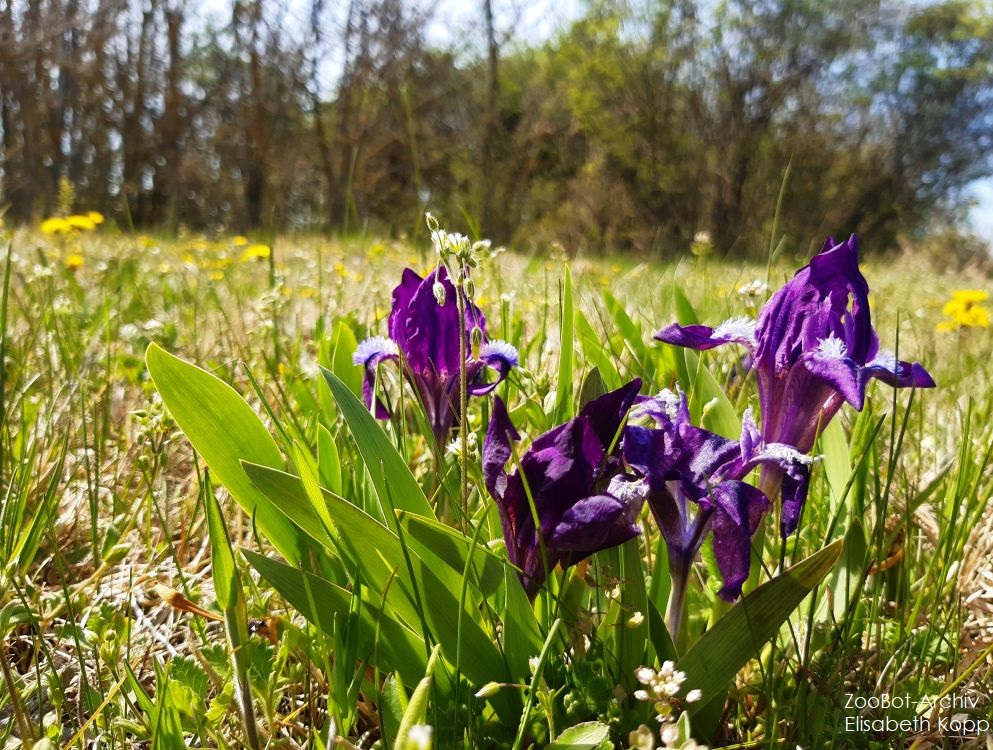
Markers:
point(498, 356)
point(565, 470)
point(369, 354)
point(842, 373)
point(592, 524)
point(699, 337)
point(738, 508)
point(899, 374)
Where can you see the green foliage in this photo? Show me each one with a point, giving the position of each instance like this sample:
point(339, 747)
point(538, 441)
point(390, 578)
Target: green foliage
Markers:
point(225, 431)
point(341, 518)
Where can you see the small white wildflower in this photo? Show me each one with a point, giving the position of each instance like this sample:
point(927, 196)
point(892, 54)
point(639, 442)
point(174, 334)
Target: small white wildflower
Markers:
point(642, 695)
point(756, 288)
point(454, 448)
point(669, 734)
point(533, 664)
point(644, 675)
point(694, 695)
point(663, 712)
point(420, 737)
point(641, 738)
point(635, 620)
point(439, 238)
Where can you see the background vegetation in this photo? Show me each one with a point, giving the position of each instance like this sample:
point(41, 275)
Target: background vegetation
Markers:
point(637, 126)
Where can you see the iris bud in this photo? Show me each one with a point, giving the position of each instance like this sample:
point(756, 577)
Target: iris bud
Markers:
point(476, 339)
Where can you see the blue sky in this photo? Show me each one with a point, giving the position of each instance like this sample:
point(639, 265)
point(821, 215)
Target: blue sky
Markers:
point(981, 215)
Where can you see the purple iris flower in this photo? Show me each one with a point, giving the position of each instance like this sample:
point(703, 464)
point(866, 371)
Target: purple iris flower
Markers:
point(573, 473)
point(814, 348)
point(424, 328)
point(695, 487)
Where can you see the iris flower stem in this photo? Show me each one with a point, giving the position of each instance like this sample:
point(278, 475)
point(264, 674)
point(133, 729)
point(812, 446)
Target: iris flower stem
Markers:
point(679, 573)
point(680, 562)
point(463, 400)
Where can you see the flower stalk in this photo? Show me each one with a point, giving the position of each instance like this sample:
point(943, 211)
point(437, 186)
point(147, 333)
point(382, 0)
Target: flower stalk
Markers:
point(463, 400)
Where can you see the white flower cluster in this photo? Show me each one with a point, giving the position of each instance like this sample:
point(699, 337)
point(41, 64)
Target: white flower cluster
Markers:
point(449, 244)
point(756, 288)
point(661, 687)
point(420, 737)
point(454, 448)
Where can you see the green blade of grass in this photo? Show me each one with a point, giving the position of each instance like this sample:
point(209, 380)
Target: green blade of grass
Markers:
point(231, 599)
point(390, 473)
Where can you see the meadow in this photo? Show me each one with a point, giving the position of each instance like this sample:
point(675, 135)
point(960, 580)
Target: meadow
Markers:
point(310, 575)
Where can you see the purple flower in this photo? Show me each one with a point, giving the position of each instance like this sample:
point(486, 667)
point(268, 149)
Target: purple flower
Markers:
point(814, 348)
point(695, 486)
point(424, 328)
point(573, 475)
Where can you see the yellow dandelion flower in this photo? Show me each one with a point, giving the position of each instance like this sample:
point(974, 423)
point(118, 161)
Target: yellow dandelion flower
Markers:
point(255, 251)
point(964, 310)
point(946, 326)
point(339, 268)
point(80, 222)
point(239, 240)
point(970, 296)
point(306, 292)
point(54, 225)
point(75, 261)
point(217, 275)
point(95, 216)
